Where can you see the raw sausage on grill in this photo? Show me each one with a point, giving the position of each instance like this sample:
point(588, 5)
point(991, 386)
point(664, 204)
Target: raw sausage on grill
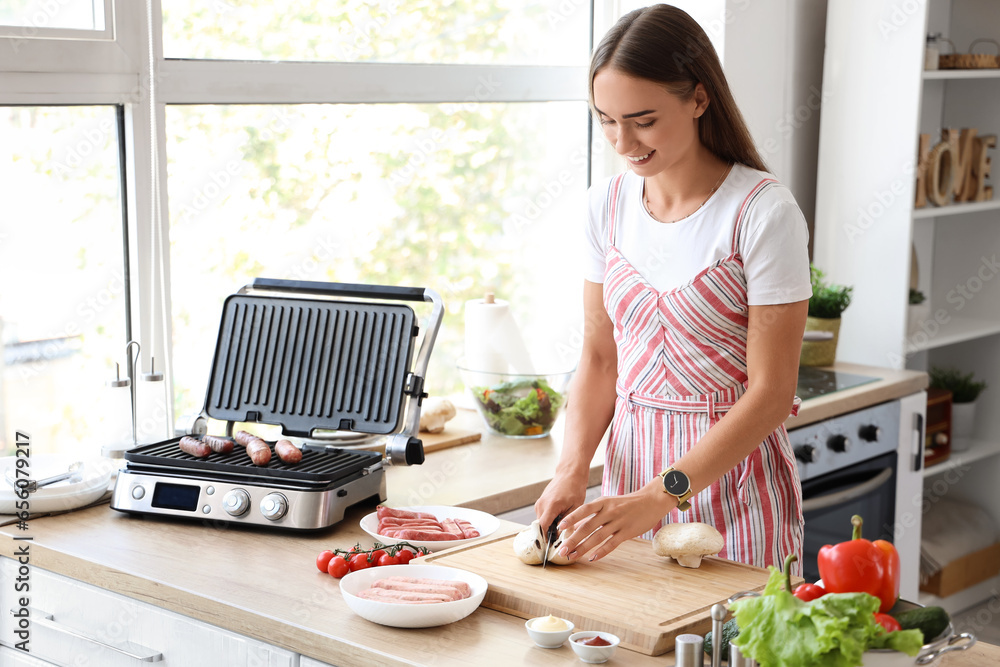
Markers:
point(244, 437)
point(288, 452)
point(218, 445)
point(194, 447)
point(259, 452)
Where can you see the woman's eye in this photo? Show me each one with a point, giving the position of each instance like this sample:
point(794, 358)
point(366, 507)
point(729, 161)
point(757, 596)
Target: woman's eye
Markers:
point(607, 121)
point(649, 124)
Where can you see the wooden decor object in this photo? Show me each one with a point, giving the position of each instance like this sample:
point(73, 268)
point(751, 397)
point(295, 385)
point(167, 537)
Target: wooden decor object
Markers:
point(923, 149)
point(964, 151)
point(940, 178)
point(981, 168)
point(937, 438)
point(643, 598)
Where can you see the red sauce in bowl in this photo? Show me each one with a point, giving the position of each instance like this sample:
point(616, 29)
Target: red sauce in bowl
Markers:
point(593, 641)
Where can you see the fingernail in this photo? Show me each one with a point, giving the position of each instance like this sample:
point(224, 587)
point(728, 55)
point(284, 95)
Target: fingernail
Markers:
point(592, 558)
point(562, 552)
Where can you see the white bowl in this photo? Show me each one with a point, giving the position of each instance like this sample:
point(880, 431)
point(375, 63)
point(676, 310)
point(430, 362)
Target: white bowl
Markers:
point(90, 483)
point(593, 654)
point(486, 524)
point(546, 639)
point(411, 615)
point(930, 652)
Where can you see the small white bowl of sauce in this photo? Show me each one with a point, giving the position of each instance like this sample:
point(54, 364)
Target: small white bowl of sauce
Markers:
point(594, 647)
point(549, 631)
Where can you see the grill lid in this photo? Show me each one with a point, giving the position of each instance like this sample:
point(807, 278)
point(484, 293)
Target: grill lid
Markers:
point(310, 364)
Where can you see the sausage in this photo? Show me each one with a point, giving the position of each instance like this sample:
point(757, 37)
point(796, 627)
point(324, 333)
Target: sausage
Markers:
point(194, 447)
point(244, 437)
point(405, 597)
point(258, 451)
point(426, 535)
point(384, 512)
point(218, 445)
point(288, 452)
point(448, 591)
point(463, 587)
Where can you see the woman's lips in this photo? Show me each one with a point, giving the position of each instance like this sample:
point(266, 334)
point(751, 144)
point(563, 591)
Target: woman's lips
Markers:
point(640, 159)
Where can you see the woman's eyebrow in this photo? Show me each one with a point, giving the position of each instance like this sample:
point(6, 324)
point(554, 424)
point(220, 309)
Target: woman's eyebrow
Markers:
point(630, 115)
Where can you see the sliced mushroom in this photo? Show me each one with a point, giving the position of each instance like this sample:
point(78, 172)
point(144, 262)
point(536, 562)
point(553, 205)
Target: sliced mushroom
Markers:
point(688, 543)
point(529, 544)
point(553, 555)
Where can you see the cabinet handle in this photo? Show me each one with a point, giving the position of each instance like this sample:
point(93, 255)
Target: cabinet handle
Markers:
point(918, 442)
point(134, 651)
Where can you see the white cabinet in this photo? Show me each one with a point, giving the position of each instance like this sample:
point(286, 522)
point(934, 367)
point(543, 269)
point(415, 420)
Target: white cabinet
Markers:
point(87, 625)
point(876, 101)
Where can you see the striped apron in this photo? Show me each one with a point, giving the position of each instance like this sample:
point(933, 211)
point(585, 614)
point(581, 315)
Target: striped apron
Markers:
point(681, 366)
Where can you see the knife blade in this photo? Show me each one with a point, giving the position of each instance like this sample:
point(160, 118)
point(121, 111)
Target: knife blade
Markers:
point(551, 534)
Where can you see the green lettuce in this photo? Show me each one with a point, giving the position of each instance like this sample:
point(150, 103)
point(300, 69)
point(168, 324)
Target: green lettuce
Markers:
point(779, 630)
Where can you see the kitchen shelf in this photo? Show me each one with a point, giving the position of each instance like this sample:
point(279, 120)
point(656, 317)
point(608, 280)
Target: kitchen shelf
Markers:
point(957, 330)
point(930, 75)
point(931, 211)
point(977, 451)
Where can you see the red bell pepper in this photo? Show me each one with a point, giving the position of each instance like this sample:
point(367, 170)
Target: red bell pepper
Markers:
point(859, 566)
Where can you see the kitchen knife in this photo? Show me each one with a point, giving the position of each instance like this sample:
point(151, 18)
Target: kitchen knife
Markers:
point(550, 535)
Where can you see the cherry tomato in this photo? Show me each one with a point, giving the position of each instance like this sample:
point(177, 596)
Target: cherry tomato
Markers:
point(323, 560)
point(359, 562)
point(808, 592)
point(378, 553)
point(338, 567)
point(888, 622)
point(386, 559)
point(405, 556)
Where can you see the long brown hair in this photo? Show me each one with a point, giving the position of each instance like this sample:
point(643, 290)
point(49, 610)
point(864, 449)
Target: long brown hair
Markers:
point(665, 45)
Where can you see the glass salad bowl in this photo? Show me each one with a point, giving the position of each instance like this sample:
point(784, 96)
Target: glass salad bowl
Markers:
point(517, 405)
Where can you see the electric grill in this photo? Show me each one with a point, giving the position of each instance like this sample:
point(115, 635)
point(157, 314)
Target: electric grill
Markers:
point(318, 360)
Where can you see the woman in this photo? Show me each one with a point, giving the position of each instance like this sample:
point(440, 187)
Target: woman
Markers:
point(695, 303)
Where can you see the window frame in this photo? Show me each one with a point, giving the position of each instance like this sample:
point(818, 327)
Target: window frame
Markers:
point(114, 67)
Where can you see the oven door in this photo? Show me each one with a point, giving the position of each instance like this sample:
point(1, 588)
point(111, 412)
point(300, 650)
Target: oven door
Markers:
point(867, 489)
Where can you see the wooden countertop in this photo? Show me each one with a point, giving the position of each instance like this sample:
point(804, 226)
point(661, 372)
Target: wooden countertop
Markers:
point(264, 584)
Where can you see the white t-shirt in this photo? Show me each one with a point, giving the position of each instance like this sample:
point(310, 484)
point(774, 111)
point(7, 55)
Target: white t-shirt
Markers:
point(774, 245)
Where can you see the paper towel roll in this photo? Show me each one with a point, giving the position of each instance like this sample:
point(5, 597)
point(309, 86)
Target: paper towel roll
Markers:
point(493, 341)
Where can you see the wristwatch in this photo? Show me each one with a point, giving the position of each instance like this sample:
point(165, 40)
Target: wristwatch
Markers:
point(677, 484)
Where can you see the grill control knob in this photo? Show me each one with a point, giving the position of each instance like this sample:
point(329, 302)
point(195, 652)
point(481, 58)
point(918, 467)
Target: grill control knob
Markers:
point(839, 443)
point(806, 453)
point(869, 432)
point(236, 502)
point(273, 506)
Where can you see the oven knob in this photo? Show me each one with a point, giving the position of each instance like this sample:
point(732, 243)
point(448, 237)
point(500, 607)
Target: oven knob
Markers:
point(839, 443)
point(806, 454)
point(273, 506)
point(869, 432)
point(236, 502)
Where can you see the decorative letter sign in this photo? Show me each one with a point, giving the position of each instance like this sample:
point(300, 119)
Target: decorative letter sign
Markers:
point(954, 170)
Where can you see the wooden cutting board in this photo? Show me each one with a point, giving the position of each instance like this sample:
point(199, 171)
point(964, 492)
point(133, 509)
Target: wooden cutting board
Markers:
point(450, 437)
point(642, 598)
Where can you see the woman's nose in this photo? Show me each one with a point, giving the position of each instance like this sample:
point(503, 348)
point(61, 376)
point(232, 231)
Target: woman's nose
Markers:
point(624, 141)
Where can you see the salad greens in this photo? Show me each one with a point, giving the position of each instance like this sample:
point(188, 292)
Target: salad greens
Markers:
point(779, 630)
point(521, 407)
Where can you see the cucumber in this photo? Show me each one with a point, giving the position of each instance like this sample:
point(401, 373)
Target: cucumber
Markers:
point(931, 621)
point(729, 632)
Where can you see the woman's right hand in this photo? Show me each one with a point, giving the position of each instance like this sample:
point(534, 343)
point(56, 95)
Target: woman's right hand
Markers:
point(562, 495)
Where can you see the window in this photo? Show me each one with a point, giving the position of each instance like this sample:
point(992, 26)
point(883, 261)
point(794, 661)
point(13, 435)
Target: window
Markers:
point(368, 142)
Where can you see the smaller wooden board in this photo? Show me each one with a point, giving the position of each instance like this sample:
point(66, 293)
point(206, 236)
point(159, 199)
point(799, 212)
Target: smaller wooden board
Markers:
point(450, 437)
point(644, 599)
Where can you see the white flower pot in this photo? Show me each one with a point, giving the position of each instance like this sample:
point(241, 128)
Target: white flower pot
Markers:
point(963, 422)
point(917, 315)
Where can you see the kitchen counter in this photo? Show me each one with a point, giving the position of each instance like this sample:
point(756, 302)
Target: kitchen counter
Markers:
point(264, 584)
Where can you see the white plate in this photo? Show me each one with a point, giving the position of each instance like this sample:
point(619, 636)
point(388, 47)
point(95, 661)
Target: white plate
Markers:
point(486, 524)
point(411, 615)
point(94, 478)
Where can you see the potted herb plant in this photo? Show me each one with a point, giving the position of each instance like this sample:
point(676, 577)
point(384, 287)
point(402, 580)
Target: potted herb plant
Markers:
point(965, 390)
point(825, 307)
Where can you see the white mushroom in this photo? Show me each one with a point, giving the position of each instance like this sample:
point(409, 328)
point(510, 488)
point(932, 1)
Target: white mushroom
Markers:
point(434, 413)
point(529, 544)
point(687, 542)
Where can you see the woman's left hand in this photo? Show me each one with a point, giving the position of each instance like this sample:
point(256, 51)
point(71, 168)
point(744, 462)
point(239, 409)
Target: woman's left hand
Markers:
point(610, 520)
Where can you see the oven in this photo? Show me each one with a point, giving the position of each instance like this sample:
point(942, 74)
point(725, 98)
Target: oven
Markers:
point(866, 462)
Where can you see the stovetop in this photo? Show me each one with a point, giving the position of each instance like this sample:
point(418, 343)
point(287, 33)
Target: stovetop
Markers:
point(814, 382)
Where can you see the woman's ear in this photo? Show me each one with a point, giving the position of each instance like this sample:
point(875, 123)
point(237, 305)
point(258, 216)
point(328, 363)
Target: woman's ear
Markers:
point(701, 100)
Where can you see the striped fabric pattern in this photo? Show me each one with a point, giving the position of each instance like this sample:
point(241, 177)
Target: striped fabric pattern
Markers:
point(681, 366)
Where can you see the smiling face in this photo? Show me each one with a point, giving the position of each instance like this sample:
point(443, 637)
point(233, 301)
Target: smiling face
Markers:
point(652, 128)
